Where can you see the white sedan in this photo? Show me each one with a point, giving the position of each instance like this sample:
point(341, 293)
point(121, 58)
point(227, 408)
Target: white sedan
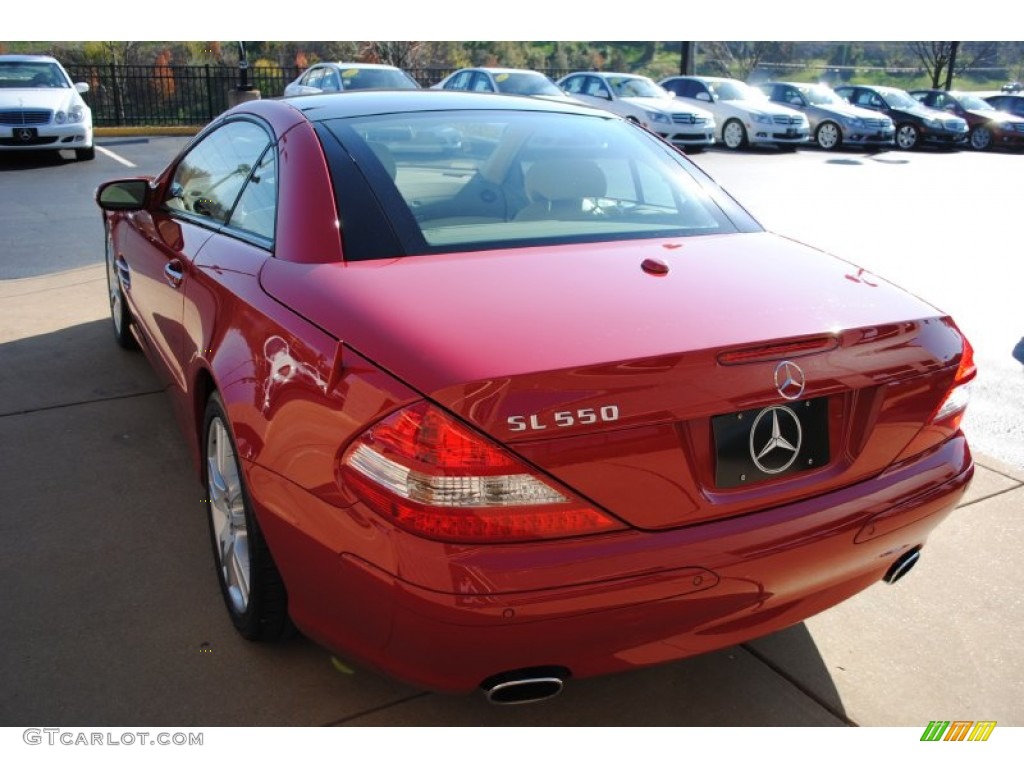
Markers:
point(639, 99)
point(41, 109)
point(744, 114)
point(334, 76)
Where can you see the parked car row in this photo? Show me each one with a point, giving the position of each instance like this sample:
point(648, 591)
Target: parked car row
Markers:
point(40, 108)
point(695, 112)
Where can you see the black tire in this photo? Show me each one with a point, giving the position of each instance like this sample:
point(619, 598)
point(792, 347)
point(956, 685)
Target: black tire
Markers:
point(88, 153)
point(828, 135)
point(734, 135)
point(907, 136)
point(253, 591)
point(981, 138)
point(120, 316)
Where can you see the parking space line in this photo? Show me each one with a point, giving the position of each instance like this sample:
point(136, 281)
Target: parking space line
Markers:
point(115, 156)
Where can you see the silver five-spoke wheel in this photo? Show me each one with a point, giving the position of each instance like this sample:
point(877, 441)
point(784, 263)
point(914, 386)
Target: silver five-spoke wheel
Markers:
point(227, 515)
point(252, 587)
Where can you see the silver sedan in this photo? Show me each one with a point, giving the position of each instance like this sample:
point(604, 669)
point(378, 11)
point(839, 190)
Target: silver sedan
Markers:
point(834, 121)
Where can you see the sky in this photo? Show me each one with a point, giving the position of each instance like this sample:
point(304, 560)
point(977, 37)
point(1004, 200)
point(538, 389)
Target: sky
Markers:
point(520, 20)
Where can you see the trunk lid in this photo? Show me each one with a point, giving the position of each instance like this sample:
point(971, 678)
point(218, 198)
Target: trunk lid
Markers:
point(632, 387)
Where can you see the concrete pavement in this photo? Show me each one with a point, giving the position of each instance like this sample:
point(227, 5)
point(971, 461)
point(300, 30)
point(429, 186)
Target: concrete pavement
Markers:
point(113, 615)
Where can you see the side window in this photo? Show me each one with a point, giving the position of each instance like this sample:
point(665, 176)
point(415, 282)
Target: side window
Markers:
point(597, 88)
point(460, 82)
point(793, 97)
point(694, 89)
point(330, 81)
point(573, 85)
point(481, 83)
point(256, 210)
point(208, 179)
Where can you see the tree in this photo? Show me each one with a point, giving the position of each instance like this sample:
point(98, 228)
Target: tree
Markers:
point(935, 56)
point(403, 54)
point(736, 59)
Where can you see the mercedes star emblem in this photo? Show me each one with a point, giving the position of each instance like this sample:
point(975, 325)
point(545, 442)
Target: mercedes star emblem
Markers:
point(775, 439)
point(789, 380)
point(24, 134)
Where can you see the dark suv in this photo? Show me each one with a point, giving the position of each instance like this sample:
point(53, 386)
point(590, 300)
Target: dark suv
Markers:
point(989, 127)
point(916, 124)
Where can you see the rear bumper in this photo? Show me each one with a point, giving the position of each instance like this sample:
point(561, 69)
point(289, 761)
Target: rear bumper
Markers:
point(447, 617)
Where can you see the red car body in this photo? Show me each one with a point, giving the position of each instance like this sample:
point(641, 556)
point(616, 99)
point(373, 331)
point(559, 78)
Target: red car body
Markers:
point(606, 374)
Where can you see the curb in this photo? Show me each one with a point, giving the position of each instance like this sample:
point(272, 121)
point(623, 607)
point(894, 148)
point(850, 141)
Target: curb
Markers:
point(147, 130)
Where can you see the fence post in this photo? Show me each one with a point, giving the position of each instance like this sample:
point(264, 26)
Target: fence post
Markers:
point(209, 94)
point(118, 106)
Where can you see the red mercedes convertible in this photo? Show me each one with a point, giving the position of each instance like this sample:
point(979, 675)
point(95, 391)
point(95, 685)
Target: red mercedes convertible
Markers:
point(495, 392)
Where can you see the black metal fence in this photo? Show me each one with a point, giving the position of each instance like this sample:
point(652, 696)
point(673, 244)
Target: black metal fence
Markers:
point(188, 95)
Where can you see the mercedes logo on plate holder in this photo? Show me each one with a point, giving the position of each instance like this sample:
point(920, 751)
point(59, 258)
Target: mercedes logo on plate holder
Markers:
point(789, 380)
point(775, 439)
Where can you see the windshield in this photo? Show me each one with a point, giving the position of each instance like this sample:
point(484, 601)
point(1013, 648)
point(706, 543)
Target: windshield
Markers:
point(973, 102)
point(819, 95)
point(729, 90)
point(353, 79)
point(500, 178)
point(900, 99)
point(31, 74)
point(526, 84)
point(636, 86)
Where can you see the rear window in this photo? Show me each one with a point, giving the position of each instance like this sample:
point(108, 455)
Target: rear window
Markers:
point(489, 179)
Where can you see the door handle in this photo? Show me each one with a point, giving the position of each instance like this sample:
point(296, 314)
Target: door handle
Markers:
point(174, 273)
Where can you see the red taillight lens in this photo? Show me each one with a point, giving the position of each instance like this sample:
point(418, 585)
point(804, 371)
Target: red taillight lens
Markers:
point(430, 474)
point(951, 412)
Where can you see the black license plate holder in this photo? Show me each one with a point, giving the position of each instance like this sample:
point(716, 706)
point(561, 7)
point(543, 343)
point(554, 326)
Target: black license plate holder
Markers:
point(761, 444)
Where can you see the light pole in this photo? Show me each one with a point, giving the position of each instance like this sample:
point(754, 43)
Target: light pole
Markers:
point(245, 90)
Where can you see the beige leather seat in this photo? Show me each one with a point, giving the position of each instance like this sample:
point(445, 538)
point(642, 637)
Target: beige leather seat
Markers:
point(558, 188)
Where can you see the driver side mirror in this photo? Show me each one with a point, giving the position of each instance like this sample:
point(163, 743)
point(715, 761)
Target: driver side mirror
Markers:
point(123, 195)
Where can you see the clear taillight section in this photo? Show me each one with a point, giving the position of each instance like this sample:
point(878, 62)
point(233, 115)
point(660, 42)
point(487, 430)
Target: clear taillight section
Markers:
point(951, 412)
point(432, 475)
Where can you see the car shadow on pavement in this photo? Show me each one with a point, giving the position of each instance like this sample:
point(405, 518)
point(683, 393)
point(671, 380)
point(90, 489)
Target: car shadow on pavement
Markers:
point(115, 616)
point(24, 160)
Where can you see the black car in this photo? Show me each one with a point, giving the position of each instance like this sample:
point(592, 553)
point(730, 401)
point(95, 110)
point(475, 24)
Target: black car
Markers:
point(989, 127)
point(916, 124)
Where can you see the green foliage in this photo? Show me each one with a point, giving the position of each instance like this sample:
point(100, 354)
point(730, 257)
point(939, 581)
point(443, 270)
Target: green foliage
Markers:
point(896, 63)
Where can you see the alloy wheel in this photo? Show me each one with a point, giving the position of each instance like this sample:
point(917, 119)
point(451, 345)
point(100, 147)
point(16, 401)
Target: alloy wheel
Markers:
point(906, 137)
point(227, 515)
point(734, 135)
point(828, 136)
point(981, 138)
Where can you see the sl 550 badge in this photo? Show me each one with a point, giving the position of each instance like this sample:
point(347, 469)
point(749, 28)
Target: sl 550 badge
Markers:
point(535, 422)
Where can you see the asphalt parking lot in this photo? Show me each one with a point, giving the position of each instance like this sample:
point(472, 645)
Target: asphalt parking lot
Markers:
point(115, 616)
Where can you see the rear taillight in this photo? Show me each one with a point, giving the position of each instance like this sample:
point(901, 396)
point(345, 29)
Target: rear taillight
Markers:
point(951, 412)
point(432, 475)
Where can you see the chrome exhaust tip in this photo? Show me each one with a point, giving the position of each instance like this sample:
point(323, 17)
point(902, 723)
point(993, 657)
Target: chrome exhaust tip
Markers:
point(902, 566)
point(525, 686)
